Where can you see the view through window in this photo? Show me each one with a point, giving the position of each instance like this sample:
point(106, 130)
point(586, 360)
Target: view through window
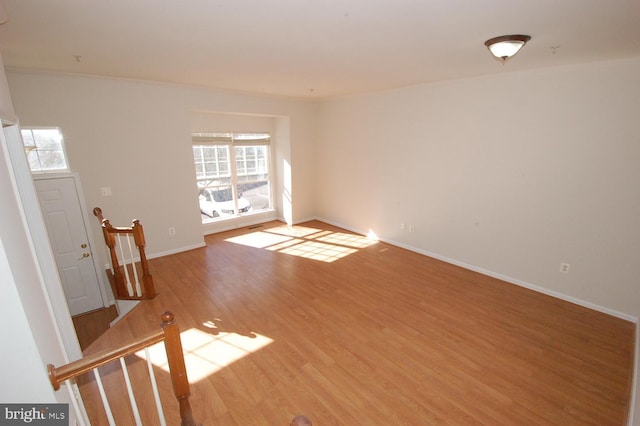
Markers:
point(45, 149)
point(232, 172)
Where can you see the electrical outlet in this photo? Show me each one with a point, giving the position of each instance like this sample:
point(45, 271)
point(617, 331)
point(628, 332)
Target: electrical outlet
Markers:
point(564, 268)
point(411, 228)
point(172, 231)
point(105, 191)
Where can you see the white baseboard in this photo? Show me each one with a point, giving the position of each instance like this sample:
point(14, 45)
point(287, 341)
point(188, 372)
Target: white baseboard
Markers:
point(308, 219)
point(175, 251)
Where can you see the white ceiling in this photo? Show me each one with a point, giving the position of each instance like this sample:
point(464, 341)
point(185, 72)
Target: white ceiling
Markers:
point(309, 48)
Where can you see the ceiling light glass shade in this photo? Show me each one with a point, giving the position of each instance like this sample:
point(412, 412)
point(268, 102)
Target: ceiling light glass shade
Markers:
point(504, 47)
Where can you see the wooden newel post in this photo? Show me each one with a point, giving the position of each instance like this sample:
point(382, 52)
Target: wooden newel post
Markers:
point(173, 346)
point(97, 212)
point(110, 240)
point(147, 279)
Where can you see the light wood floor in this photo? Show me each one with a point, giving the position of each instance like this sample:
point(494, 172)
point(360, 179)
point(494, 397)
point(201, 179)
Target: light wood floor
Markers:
point(91, 325)
point(382, 336)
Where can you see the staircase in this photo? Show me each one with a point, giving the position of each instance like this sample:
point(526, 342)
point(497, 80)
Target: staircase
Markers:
point(119, 403)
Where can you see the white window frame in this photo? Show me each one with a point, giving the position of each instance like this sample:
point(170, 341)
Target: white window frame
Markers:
point(233, 141)
point(32, 149)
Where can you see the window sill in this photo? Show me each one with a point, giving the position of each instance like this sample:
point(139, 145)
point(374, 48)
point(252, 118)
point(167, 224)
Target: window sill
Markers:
point(224, 224)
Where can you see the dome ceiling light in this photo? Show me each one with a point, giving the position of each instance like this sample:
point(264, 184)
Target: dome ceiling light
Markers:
point(504, 47)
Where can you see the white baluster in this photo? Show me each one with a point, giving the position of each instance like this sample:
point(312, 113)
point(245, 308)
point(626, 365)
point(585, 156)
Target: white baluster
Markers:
point(109, 257)
point(132, 399)
point(105, 402)
point(135, 270)
point(125, 267)
point(154, 387)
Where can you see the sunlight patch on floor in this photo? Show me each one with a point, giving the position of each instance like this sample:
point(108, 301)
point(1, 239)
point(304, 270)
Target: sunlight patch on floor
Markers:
point(351, 240)
point(310, 243)
point(318, 251)
point(206, 353)
point(258, 239)
point(285, 245)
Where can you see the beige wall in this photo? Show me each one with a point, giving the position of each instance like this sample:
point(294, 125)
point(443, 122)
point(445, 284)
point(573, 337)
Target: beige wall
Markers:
point(135, 137)
point(6, 105)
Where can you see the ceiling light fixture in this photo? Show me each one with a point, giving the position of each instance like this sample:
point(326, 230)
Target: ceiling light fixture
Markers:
point(504, 47)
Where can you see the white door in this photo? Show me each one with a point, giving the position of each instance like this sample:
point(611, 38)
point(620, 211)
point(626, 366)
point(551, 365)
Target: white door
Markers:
point(68, 234)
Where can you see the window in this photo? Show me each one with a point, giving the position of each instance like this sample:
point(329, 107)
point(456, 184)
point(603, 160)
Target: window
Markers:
point(45, 149)
point(232, 173)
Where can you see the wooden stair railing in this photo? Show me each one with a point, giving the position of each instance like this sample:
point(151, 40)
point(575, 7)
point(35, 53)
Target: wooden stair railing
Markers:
point(170, 334)
point(120, 275)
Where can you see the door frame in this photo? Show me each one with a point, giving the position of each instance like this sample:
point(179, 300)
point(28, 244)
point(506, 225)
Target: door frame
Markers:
point(41, 247)
point(106, 300)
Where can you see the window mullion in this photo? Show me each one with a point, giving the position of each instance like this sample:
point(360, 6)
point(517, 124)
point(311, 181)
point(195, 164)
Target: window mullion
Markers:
point(234, 178)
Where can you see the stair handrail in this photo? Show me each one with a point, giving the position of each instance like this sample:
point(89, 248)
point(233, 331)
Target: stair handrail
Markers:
point(169, 333)
point(109, 232)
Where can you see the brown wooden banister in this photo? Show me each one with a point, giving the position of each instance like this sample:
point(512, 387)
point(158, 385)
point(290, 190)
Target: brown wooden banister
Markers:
point(169, 333)
point(74, 369)
point(118, 273)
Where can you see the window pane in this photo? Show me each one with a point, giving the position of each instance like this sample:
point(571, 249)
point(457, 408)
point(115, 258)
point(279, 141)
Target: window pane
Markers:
point(211, 162)
point(257, 195)
point(253, 176)
point(211, 169)
point(52, 160)
point(27, 137)
point(197, 154)
point(34, 161)
point(45, 149)
point(224, 169)
point(49, 139)
point(209, 153)
point(215, 173)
